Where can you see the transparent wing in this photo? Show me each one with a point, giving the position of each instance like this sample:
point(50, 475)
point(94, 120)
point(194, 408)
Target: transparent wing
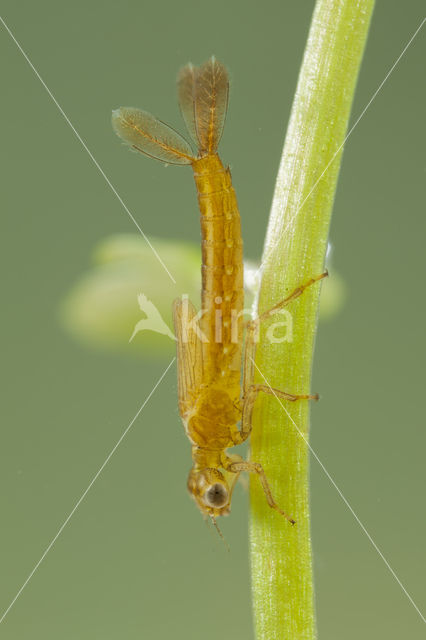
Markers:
point(189, 353)
point(145, 133)
point(211, 102)
point(185, 84)
point(203, 97)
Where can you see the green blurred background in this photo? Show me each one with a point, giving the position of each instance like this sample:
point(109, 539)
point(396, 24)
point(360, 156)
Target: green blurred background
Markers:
point(136, 560)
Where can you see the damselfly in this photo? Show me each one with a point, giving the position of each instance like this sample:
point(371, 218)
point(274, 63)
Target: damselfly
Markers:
point(216, 385)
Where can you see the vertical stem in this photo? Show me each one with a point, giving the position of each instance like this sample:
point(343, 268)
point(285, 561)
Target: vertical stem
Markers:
point(294, 251)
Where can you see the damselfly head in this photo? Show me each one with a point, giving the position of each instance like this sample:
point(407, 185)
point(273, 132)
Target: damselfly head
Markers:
point(210, 491)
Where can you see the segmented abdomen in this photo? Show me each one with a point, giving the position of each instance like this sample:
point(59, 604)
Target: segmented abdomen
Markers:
point(222, 298)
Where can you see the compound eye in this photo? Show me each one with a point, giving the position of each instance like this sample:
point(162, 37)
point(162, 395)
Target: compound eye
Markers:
point(216, 496)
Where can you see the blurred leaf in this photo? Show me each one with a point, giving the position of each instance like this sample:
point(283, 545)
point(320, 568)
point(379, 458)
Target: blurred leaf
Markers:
point(102, 309)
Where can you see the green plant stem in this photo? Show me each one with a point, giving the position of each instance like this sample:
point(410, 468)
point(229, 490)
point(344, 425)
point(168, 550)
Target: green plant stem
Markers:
point(294, 252)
